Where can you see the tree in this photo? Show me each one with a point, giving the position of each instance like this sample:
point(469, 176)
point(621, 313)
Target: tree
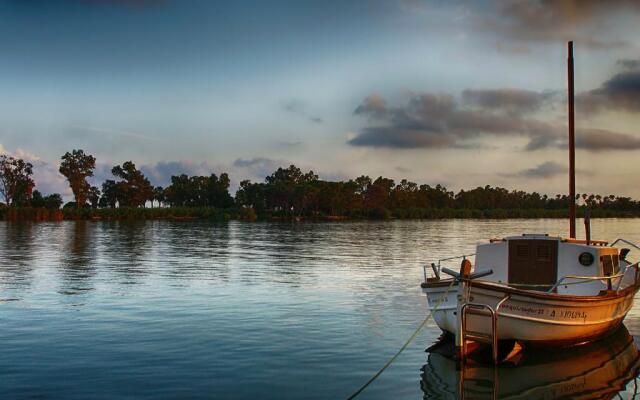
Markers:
point(37, 201)
point(158, 195)
point(199, 191)
point(53, 201)
point(109, 194)
point(177, 194)
point(282, 190)
point(134, 188)
point(16, 184)
point(252, 195)
point(77, 167)
point(378, 195)
point(94, 196)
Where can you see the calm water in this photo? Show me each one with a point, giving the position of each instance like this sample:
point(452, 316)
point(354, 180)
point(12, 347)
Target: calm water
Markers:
point(235, 311)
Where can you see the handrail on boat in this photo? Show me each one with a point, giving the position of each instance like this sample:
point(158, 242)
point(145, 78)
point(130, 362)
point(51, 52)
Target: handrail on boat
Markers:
point(437, 267)
point(625, 241)
point(582, 241)
point(454, 257)
point(585, 279)
point(635, 265)
point(494, 313)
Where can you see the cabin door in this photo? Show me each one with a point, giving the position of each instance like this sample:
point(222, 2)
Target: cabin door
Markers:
point(533, 262)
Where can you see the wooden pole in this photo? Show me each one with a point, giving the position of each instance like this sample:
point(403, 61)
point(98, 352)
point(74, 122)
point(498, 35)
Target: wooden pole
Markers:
point(587, 225)
point(572, 146)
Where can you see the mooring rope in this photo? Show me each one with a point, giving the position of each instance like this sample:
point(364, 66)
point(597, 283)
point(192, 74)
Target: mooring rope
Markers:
point(392, 359)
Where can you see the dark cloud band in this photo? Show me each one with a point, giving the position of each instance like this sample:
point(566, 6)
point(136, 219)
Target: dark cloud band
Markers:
point(437, 121)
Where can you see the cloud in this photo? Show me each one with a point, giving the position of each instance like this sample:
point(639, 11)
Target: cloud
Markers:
point(512, 101)
point(372, 106)
point(161, 172)
point(259, 167)
point(295, 106)
point(111, 132)
point(437, 120)
point(392, 137)
point(301, 108)
point(588, 22)
point(101, 173)
point(620, 93)
point(631, 65)
point(295, 144)
point(600, 139)
point(545, 170)
point(590, 139)
point(546, 141)
point(45, 175)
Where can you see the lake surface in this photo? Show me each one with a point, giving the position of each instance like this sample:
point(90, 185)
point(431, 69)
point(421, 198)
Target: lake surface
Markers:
point(100, 310)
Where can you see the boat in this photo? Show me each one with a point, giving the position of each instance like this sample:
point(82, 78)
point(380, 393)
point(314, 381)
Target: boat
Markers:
point(600, 370)
point(535, 289)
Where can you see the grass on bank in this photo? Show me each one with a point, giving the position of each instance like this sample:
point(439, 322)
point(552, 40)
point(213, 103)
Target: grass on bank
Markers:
point(217, 214)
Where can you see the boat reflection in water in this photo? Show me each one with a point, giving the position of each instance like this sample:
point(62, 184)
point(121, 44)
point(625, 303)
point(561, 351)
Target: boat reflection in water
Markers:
point(599, 370)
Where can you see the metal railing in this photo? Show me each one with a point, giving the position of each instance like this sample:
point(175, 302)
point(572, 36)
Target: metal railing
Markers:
point(625, 241)
point(437, 267)
point(585, 279)
point(494, 314)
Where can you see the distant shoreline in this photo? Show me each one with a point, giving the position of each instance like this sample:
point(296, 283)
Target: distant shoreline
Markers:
point(244, 214)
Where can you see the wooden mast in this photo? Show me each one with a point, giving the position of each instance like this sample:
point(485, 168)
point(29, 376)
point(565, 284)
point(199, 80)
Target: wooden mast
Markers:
point(572, 146)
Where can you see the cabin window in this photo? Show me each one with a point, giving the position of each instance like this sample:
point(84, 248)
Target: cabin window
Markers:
point(522, 252)
point(586, 259)
point(610, 264)
point(543, 253)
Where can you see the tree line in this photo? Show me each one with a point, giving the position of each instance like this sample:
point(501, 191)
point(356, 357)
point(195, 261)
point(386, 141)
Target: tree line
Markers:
point(287, 192)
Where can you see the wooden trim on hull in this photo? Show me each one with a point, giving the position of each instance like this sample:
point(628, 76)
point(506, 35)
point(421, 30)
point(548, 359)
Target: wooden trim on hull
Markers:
point(534, 293)
point(437, 284)
point(552, 296)
point(552, 322)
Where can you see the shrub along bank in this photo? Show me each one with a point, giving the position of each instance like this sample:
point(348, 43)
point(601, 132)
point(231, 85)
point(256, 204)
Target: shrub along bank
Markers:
point(248, 214)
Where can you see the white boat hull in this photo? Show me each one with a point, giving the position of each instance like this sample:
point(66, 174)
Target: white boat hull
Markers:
point(533, 318)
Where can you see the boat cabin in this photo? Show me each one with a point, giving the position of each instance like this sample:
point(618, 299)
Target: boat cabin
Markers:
point(539, 261)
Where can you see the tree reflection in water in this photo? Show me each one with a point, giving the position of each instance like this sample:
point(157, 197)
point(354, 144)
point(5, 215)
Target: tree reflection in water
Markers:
point(77, 260)
point(17, 249)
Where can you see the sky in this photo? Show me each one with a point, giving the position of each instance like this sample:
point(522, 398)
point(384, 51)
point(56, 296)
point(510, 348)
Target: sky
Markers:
point(463, 94)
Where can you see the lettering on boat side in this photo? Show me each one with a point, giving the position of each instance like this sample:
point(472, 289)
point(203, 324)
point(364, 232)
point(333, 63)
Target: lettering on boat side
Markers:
point(526, 310)
point(568, 314)
point(566, 389)
point(551, 313)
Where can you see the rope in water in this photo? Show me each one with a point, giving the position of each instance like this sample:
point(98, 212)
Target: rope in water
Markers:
point(406, 344)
